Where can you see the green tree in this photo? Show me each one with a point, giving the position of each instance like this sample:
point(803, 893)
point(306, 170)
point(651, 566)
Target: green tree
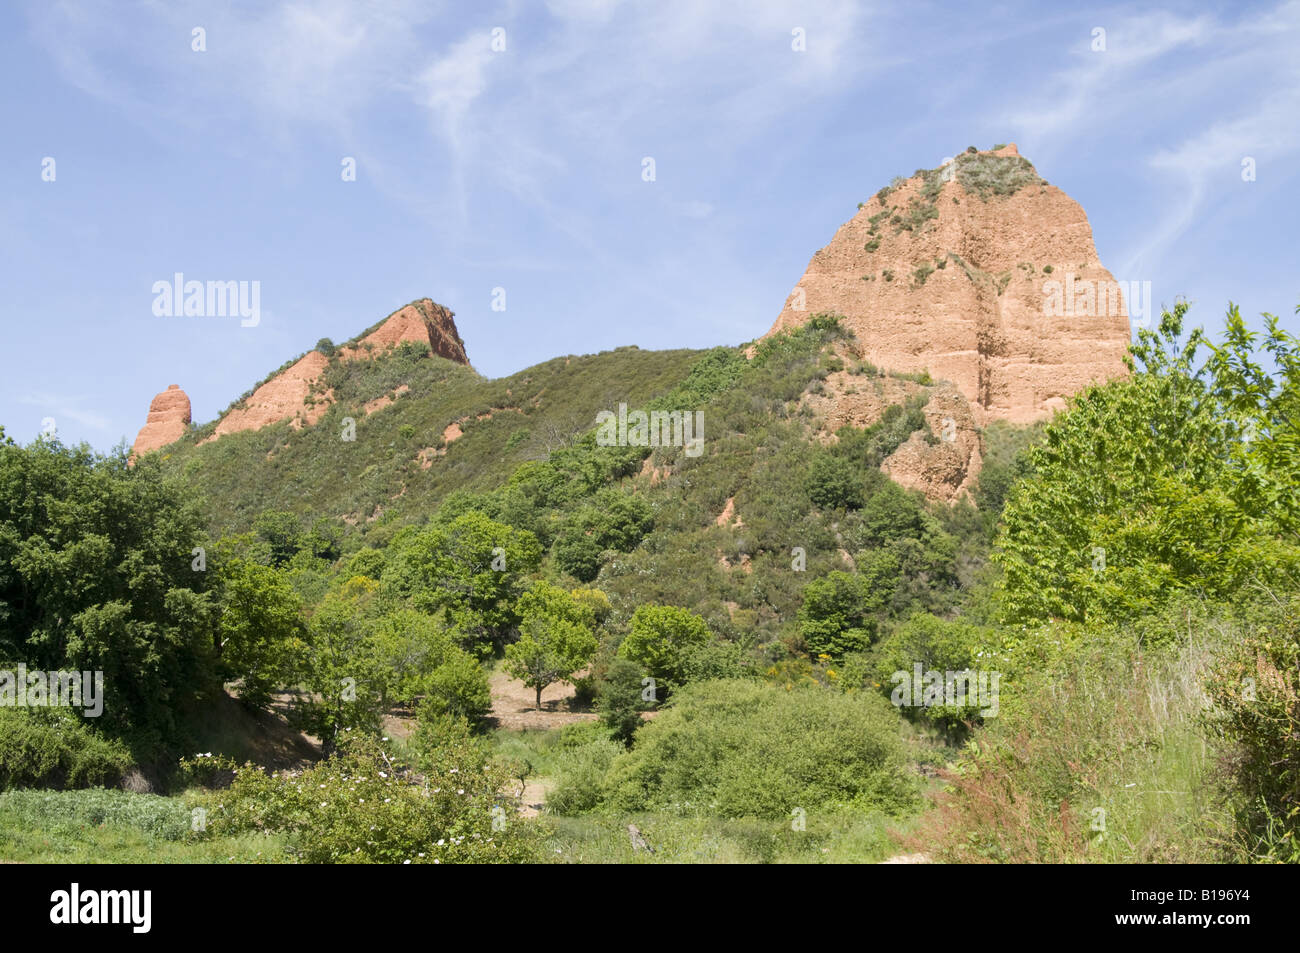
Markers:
point(1135, 496)
point(99, 572)
point(475, 569)
point(282, 531)
point(346, 679)
point(835, 483)
point(660, 640)
point(261, 635)
point(550, 649)
point(833, 618)
point(618, 699)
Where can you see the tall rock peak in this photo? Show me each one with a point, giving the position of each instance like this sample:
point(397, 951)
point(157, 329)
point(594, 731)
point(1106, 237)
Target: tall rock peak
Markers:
point(169, 418)
point(980, 273)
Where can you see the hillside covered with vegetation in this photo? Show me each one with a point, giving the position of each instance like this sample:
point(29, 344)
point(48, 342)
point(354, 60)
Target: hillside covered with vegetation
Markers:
point(731, 621)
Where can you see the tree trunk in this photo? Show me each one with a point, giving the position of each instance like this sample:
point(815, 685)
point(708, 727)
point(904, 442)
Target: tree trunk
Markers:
point(539, 699)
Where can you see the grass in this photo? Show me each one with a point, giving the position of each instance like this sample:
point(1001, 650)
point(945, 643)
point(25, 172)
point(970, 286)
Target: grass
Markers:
point(1099, 758)
point(841, 837)
point(95, 826)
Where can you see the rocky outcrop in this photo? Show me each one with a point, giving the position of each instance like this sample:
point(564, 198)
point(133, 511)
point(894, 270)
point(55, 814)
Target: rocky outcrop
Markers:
point(422, 320)
point(980, 273)
point(295, 395)
point(945, 463)
point(284, 396)
point(169, 418)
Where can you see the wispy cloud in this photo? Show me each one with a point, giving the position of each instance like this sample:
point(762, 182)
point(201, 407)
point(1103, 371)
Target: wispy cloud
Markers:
point(64, 407)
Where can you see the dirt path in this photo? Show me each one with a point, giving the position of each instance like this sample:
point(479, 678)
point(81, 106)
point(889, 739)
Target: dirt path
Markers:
point(514, 705)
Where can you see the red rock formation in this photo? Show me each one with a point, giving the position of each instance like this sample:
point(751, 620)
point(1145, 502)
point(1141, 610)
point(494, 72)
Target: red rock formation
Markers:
point(293, 394)
point(169, 418)
point(950, 271)
point(283, 396)
point(422, 320)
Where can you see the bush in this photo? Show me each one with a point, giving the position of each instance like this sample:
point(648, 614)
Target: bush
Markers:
point(1256, 691)
point(742, 748)
point(936, 645)
point(580, 775)
point(365, 806)
point(835, 483)
point(56, 748)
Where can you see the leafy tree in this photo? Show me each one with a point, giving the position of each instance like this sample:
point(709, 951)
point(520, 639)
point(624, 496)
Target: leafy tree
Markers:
point(550, 649)
point(474, 569)
point(1136, 491)
point(618, 699)
point(282, 531)
point(261, 635)
point(660, 639)
point(579, 553)
point(346, 679)
point(556, 638)
point(836, 615)
point(835, 483)
point(617, 521)
point(96, 574)
point(1263, 411)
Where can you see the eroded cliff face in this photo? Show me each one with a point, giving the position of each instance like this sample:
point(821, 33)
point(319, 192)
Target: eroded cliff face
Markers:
point(982, 276)
point(962, 271)
point(294, 393)
point(169, 418)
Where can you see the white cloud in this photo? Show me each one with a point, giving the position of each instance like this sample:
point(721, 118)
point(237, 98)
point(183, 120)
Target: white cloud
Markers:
point(62, 407)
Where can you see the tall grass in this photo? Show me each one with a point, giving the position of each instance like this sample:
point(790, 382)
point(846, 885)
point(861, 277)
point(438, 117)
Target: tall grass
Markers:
point(1100, 759)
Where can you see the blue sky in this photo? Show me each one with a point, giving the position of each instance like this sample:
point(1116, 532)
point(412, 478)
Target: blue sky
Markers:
point(522, 168)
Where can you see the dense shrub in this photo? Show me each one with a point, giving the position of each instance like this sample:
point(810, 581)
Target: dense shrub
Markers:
point(742, 748)
point(56, 748)
point(365, 806)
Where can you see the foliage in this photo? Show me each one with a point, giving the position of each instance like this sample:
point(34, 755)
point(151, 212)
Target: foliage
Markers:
point(743, 748)
point(56, 748)
point(1133, 498)
point(1255, 687)
point(835, 483)
point(364, 806)
point(474, 569)
point(260, 630)
point(550, 649)
point(936, 645)
point(619, 699)
point(837, 614)
point(660, 639)
point(95, 575)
